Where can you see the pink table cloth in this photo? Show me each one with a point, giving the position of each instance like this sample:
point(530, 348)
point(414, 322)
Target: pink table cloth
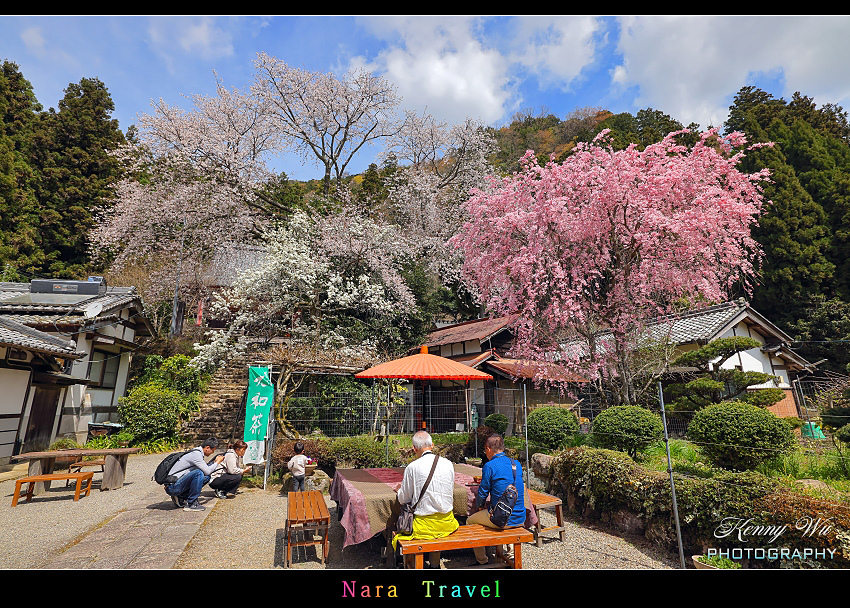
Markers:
point(368, 503)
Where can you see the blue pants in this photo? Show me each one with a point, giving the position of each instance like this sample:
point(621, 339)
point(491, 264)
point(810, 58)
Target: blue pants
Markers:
point(188, 486)
point(298, 483)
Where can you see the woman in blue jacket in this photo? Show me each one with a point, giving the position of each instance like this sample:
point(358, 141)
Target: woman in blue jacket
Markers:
point(499, 472)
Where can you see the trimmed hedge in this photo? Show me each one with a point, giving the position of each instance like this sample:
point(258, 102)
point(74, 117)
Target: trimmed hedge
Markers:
point(498, 422)
point(626, 428)
point(551, 426)
point(736, 435)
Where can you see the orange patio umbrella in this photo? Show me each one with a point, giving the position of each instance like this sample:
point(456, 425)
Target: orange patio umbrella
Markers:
point(424, 366)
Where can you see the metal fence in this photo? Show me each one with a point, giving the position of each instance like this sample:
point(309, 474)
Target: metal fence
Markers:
point(439, 410)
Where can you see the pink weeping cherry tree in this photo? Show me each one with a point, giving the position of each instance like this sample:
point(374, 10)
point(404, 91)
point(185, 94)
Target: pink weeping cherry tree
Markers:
point(588, 250)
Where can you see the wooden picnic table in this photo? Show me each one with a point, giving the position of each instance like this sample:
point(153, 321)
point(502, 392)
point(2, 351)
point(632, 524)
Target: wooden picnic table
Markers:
point(368, 505)
point(114, 467)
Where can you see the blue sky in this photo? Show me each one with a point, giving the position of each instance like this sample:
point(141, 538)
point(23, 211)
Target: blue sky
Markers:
point(485, 67)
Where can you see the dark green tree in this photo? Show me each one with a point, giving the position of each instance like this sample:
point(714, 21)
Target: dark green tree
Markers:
point(76, 172)
point(19, 221)
point(824, 333)
point(792, 230)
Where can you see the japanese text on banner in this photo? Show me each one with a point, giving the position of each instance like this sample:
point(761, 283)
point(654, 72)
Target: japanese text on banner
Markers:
point(258, 404)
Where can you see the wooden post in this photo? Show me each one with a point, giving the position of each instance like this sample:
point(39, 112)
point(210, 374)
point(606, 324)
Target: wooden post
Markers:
point(114, 471)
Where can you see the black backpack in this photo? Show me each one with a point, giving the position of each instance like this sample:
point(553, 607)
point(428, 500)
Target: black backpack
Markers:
point(500, 512)
point(160, 475)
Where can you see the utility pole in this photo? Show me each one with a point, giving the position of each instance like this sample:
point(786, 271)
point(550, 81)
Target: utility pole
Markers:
point(174, 308)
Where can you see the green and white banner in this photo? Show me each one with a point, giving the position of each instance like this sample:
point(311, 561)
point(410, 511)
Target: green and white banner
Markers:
point(257, 407)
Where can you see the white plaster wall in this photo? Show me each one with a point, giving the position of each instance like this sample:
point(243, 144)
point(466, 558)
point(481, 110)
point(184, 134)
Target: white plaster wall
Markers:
point(754, 360)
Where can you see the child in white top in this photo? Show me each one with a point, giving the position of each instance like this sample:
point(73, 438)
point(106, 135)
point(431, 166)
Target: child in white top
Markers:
point(297, 466)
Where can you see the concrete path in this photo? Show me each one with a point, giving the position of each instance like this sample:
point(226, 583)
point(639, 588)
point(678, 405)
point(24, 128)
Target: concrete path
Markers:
point(133, 527)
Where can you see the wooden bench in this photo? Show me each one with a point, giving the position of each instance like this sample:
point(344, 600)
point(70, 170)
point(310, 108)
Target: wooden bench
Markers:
point(307, 513)
point(539, 500)
point(80, 464)
point(468, 537)
point(33, 479)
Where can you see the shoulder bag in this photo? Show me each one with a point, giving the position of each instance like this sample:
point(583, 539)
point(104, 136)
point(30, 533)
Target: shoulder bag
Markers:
point(404, 523)
point(500, 512)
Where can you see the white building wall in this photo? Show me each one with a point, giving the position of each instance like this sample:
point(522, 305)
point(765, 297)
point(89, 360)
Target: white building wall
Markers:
point(754, 360)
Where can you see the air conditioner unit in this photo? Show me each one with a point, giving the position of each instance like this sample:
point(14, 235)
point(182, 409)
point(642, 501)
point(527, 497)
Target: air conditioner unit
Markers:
point(68, 287)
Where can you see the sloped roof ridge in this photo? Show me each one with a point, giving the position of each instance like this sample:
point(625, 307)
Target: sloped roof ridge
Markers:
point(481, 320)
point(698, 312)
point(36, 334)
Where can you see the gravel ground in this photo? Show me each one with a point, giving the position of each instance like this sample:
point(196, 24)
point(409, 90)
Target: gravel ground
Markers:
point(251, 524)
point(32, 533)
point(247, 531)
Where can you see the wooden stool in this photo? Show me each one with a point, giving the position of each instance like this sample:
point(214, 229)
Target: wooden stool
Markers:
point(539, 500)
point(33, 479)
point(306, 512)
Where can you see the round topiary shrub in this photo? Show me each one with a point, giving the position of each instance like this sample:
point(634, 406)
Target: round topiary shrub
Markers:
point(626, 428)
point(551, 426)
point(740, 436)
point(498, 422)
point(151, 411)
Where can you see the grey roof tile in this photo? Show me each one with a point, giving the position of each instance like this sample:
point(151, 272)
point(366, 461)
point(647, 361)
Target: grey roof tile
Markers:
point(17, 334)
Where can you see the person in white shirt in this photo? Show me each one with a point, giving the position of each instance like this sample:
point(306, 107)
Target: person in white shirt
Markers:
point(433, 516)
point(297, 466)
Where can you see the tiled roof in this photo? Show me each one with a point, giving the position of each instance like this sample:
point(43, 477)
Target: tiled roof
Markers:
point(518, 368)
point(696, 326)
point(478, 329)
point(16, 334)
point(38, 310)
point(114, 298)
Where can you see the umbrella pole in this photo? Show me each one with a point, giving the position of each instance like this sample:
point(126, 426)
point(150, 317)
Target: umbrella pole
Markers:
point(387, 429)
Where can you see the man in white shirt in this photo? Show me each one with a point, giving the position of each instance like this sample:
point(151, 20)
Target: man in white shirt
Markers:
point(433, 516)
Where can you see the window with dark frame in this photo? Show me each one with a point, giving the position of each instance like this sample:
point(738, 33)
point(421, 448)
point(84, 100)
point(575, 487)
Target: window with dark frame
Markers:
point(103, 369)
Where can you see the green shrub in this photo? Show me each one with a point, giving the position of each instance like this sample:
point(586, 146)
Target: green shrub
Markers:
point(151, 411)
point(626, 428)
point(362, 452)
point(724, 563)
point(736, 435)
point(498, 422)
point(64, 443)
point(551, 426)
point(173, 372)
point(601, 482)
point(835, 417)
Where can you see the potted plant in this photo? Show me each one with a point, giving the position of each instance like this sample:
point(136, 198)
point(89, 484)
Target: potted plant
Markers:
point(310, 467)
point(715, 562)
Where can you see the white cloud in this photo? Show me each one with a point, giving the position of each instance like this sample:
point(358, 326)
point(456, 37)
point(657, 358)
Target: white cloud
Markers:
point(33, 40)
point(175, 38)
point(440, 63)
point(688, 66)
point(555, 48)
